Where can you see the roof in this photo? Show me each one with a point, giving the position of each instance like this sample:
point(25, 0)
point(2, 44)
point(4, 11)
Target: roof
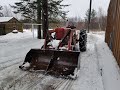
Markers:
point(5, 19)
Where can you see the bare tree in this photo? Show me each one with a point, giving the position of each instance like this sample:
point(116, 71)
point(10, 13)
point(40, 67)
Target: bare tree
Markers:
point(101, 19)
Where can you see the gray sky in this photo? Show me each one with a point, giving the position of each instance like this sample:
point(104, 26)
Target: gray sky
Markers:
point(7, 2)
point(77, 7)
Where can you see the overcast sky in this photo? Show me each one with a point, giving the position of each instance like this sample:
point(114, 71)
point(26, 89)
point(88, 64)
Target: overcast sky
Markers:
point(77, 7)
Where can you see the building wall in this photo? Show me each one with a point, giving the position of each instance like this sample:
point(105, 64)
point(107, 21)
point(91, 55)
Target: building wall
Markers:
point(113, 28)
point(13, 24)
point(7, 27)
point(2, 29)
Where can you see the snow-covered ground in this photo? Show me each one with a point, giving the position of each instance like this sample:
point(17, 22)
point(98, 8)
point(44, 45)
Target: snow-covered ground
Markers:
point(98, 67)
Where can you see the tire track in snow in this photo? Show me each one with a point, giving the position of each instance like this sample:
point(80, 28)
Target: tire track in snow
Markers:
point(12, 61)
point(22, 81)
point(59, 84)
point(89, 77)
point(12, 82)
point(8, 61)
point(48, 83)
point(8, 64)
point(99, 66)
point(52, 84)
point(69, 85)
point(66, 85)
point(18, 49)
point(9, 76)
point(3, 62)
point(36, 81)
point(44, 83)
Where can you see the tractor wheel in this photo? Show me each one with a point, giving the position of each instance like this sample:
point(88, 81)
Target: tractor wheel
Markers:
point(83, 40)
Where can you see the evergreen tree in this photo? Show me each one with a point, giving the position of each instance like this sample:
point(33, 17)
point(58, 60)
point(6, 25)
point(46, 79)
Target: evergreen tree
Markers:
point(31, 9)
point(93, 23)
point(93, 14)
point(1, 14)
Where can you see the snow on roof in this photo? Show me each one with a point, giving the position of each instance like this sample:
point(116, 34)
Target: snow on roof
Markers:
point(5, 19)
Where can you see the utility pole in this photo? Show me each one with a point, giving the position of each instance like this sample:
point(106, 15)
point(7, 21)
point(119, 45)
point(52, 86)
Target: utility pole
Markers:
point(44, 17)
point(89, 17)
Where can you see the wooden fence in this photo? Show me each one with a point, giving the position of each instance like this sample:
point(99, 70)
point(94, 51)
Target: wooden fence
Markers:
point(113, 28)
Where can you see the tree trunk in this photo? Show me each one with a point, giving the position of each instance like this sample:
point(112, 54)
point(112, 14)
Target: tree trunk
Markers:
point(45, 17)
point(39, 18)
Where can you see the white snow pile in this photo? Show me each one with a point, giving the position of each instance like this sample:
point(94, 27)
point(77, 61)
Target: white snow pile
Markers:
point(26, 64)
point(109, 68)
point(76, 74)
point(5, 19)
point(19, 35)
point(54, 43)
point(15, 31)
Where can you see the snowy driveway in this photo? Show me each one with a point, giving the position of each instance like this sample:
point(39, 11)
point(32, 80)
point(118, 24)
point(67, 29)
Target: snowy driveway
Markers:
point(12, 54)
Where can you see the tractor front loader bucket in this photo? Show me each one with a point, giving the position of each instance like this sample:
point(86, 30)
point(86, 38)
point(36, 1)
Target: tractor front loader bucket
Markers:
point(63, 63)
point(54, 62)
point(38, 59)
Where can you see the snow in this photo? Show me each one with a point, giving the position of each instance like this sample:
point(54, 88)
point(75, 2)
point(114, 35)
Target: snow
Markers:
point(26, 65)
point(5, 19)
point(54, 43)
point(89, 75)
point(15, 31)
point(109, 67)
point(76, 73)
point(16, 36)
point(98, 67)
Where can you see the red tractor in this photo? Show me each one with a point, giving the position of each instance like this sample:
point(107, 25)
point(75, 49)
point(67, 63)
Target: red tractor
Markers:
point(59, 55)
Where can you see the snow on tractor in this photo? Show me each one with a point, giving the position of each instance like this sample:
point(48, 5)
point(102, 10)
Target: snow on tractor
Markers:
point(59, 56)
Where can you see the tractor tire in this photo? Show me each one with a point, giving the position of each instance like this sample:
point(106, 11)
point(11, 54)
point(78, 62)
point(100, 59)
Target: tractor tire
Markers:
point(83, 40)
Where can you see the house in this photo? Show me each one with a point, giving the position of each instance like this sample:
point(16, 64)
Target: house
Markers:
point(112, 36)
point(8, 24)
